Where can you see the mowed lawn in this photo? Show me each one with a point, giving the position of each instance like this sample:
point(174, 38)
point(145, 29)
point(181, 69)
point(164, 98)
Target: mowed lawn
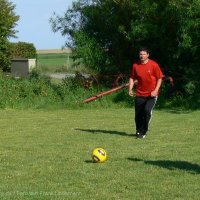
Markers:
point(47, 155)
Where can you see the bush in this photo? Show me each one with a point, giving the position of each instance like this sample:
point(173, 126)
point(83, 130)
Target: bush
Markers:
point(39, 91)
point(23, 50)
point(182, 97)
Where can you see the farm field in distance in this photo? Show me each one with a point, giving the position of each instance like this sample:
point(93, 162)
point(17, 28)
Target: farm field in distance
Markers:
point(56, 61)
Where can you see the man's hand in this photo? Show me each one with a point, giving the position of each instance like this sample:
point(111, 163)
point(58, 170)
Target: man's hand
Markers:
point(130, 93)
point(154, 93)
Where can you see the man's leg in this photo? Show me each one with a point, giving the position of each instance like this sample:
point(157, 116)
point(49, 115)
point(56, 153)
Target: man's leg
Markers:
point(139, 113)
point(148, 112)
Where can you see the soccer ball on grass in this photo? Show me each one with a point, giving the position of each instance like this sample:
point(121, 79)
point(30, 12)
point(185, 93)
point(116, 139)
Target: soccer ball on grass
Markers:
point(99, 155)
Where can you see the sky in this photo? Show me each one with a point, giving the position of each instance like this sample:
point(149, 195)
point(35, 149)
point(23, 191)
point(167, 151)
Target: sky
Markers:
point(33, 25)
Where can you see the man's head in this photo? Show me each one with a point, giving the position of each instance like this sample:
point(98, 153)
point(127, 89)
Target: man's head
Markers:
point(144, 55)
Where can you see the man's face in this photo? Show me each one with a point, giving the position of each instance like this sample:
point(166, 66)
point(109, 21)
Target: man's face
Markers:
point(143, 55)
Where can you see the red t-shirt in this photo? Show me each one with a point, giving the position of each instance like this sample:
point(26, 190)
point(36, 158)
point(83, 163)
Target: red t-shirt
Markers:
point(147, 76)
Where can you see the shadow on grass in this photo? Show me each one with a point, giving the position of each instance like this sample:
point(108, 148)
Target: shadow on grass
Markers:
point(98, 131)
point(171, 165)
point(89, 161)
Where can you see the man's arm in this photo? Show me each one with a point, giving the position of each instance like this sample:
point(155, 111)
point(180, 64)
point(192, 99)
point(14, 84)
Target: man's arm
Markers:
point(154, 93)
point(131, 84)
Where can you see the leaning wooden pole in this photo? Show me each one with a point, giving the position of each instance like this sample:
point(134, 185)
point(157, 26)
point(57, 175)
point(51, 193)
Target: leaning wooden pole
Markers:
point(105, 93)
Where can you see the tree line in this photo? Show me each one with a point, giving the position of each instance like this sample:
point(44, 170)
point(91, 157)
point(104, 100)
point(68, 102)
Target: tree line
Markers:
point(8, 50)
point(8, 21)
point(106, 35)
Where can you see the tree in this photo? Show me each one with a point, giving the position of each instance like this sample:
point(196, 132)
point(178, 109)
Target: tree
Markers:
point(23, 50)
point(8, 21)
point(106, 34)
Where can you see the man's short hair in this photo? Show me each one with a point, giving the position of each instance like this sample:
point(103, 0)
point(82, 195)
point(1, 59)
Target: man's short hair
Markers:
point(144, 49)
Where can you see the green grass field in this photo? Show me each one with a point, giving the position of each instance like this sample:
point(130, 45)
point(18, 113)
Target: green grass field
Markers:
point(54, 62)
point(47, 155)
point(57, 62)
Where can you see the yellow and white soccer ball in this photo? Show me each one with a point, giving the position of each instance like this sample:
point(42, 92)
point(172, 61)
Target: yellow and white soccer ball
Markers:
point(99, 155)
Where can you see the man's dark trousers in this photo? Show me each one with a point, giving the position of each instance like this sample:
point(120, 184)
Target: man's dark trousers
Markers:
point(143, 112)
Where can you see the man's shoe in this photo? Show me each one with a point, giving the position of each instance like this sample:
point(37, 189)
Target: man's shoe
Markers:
point(137, 134)
point(141, 136)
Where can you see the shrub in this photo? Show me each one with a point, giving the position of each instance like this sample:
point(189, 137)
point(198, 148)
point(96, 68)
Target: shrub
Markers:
point(38, 91)
point(23, 50)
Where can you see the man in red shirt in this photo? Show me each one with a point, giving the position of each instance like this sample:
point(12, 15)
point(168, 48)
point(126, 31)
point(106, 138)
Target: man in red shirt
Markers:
point(148, 76)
